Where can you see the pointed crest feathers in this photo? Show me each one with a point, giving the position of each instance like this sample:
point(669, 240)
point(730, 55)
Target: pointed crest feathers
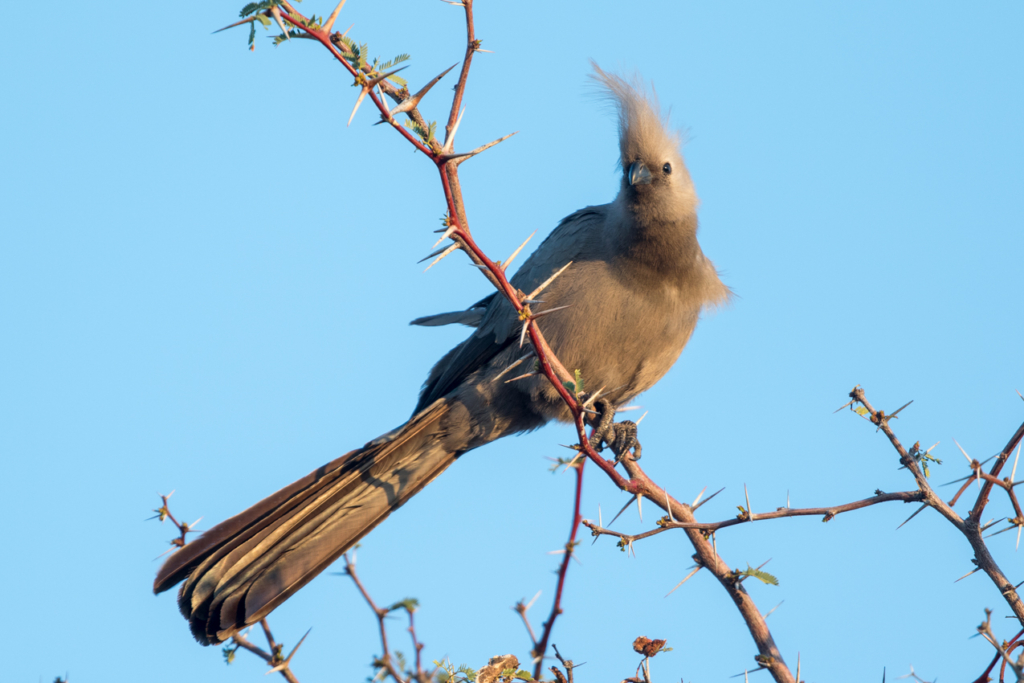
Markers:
point(643, 132)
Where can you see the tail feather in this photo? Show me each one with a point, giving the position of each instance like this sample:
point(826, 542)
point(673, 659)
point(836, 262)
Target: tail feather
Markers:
point(239, 571)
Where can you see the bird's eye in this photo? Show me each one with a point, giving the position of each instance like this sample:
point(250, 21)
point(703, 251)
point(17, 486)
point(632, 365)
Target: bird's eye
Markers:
point(667, 168)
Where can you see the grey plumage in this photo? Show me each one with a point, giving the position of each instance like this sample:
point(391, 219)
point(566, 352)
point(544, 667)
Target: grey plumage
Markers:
point(638, 283)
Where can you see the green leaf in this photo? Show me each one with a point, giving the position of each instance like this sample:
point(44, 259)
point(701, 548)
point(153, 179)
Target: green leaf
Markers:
point(579, 382)
point(254, 7)
point(860, 410)
point(393, 62)
point(762, 576)
point(409, 605)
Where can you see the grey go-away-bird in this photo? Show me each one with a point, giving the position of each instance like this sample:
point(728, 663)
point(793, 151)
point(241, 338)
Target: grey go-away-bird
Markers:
point(635, 289)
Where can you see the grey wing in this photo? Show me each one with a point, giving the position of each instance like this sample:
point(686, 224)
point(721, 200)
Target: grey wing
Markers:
point(499, 324)
point(470, 317)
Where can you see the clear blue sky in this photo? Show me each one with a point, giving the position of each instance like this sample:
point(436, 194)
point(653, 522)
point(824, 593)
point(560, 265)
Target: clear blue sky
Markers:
point(206, 279)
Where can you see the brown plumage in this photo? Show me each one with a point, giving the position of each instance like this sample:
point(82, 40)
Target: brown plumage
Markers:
point(638, 283)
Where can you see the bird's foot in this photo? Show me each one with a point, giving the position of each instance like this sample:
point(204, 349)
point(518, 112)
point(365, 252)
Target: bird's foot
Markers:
point(620, 437)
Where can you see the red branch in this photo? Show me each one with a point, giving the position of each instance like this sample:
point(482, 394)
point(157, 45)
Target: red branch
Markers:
point(570, 546)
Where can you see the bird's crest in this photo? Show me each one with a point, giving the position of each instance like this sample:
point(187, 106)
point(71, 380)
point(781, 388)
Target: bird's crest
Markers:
point(643, 132)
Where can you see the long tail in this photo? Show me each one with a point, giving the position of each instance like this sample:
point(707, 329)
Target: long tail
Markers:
point(240, 570)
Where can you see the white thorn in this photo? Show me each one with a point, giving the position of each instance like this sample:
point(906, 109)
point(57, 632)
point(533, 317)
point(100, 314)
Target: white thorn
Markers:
point(359, 101)
point(482, 148)
point(443, 254)
point(536, 292)
point(684, 581)
point(447, 149)
point(447, 233)
point(963, 451)
point(329, 24)
point(697, 499)
point(515, 253)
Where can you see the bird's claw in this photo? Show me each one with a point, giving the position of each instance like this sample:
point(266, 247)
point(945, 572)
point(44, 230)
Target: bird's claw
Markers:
point(620, 437)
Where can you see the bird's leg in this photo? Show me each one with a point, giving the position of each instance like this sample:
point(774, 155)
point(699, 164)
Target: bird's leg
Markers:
point(618, 436)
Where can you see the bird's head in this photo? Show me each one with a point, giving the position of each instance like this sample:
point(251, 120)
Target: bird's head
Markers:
point(655, 182)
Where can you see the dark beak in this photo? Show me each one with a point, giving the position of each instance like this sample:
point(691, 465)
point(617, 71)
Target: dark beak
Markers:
point(638, 174)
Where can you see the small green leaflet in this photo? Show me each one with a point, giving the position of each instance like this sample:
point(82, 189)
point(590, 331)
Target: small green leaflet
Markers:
point(762, 576)
point(409, 605)
point(576, 387)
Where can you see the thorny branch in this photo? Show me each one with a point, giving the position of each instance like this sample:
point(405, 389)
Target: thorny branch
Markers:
point(1002, 651)
point(541, 646)
point(457, 229)
point(970, 527)
point(680, 515)
point(665, 524)
point(385, 661)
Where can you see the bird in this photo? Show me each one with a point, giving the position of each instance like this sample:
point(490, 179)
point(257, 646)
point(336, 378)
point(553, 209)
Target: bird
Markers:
point(628, 304)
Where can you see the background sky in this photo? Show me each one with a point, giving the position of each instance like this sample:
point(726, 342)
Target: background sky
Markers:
point(206, 279)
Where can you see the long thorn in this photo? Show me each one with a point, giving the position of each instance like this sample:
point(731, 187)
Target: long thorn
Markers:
point(512, 366)
point(276, 12)
point(482, 148)
point(450, 140)
point(769, 613)
point(697, 499)
point(990, 525)
point(996, 533)
point(969, 461)
point(900, 408)
point(535, 316)
point(750, 514)
point(628, 503)
point(432, 254)
point(1013, 472)
point(515, 253)
point(967, 574)
point(515, 379)
point(688, 576)
point(447, 233)
point(329, 24)
point(709, 497)
point(237, 23)
point(443, 254)
point(544, 285)
point(668, 506)
point(410, 103)
point(915, 514)
point(359, 101)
